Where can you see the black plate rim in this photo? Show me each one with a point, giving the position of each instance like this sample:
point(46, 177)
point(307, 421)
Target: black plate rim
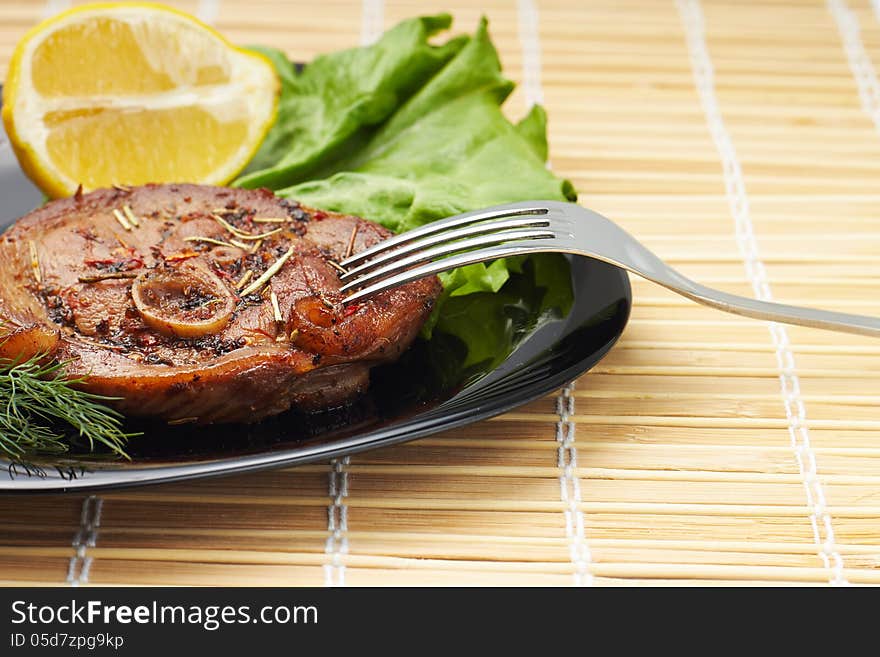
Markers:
point(419, 427)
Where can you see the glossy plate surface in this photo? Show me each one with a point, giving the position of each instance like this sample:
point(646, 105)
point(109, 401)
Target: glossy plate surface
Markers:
point(427, 391)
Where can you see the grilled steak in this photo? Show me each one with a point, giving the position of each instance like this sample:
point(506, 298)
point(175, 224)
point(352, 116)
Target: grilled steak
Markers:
point(201, 304)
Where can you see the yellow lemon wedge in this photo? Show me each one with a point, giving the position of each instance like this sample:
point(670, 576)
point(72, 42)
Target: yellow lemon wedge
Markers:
point(131, 93)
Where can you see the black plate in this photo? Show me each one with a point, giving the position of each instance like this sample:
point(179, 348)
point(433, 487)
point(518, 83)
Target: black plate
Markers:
point(419, 395)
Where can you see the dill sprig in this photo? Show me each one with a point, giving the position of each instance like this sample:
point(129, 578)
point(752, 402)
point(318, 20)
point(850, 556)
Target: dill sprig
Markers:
point(41, 412)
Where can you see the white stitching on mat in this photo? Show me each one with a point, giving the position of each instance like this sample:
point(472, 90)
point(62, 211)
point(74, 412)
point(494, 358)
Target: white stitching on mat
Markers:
point(530, 40)
point(337, 523)
point(704, 77)
point(859, 62)
point(372, 20)
point(570, 489)
point(566, 452)
point(86, 537)
point(208, 10)
point(53, 7)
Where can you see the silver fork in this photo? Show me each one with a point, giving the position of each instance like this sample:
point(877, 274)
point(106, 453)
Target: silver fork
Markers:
point(551, 226)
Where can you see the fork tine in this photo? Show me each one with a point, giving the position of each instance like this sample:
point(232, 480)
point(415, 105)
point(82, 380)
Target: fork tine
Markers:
point(446, 249)
point(438, 226)
point(495, 227)
point(523, 247)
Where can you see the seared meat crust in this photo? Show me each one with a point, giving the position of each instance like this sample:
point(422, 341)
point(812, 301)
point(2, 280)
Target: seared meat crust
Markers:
point(166, 314)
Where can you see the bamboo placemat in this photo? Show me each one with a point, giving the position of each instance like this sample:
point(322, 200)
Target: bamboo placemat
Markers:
point(741, 141)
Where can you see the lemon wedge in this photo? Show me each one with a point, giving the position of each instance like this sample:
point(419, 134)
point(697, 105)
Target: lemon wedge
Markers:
point(134, 93)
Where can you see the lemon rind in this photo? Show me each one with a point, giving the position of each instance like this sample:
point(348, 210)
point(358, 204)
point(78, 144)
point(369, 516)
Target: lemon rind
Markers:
point(26, 140)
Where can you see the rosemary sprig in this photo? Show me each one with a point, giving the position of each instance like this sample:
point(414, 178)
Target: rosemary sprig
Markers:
point(269, 273)
point(41, 412)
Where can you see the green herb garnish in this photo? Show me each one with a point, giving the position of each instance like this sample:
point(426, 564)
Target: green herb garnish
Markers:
point(44, 414)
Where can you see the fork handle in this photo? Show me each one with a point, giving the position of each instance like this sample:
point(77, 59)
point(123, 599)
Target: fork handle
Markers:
point(598, 237)
point(766, 310)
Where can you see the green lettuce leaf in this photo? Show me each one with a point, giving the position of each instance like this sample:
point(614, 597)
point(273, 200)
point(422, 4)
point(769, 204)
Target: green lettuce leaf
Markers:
point(329, 109)
point(404, 132)
point(492, 323)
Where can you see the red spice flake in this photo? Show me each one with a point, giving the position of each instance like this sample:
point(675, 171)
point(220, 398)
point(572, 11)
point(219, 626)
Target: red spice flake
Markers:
point(222, 273)
point(181, 255)
point(319, 215)
point(187, 199)
point(147, 340)
point(351, 309)
point(131, 263)
point(111, 264)
point(260, 331)
point(69, 298)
